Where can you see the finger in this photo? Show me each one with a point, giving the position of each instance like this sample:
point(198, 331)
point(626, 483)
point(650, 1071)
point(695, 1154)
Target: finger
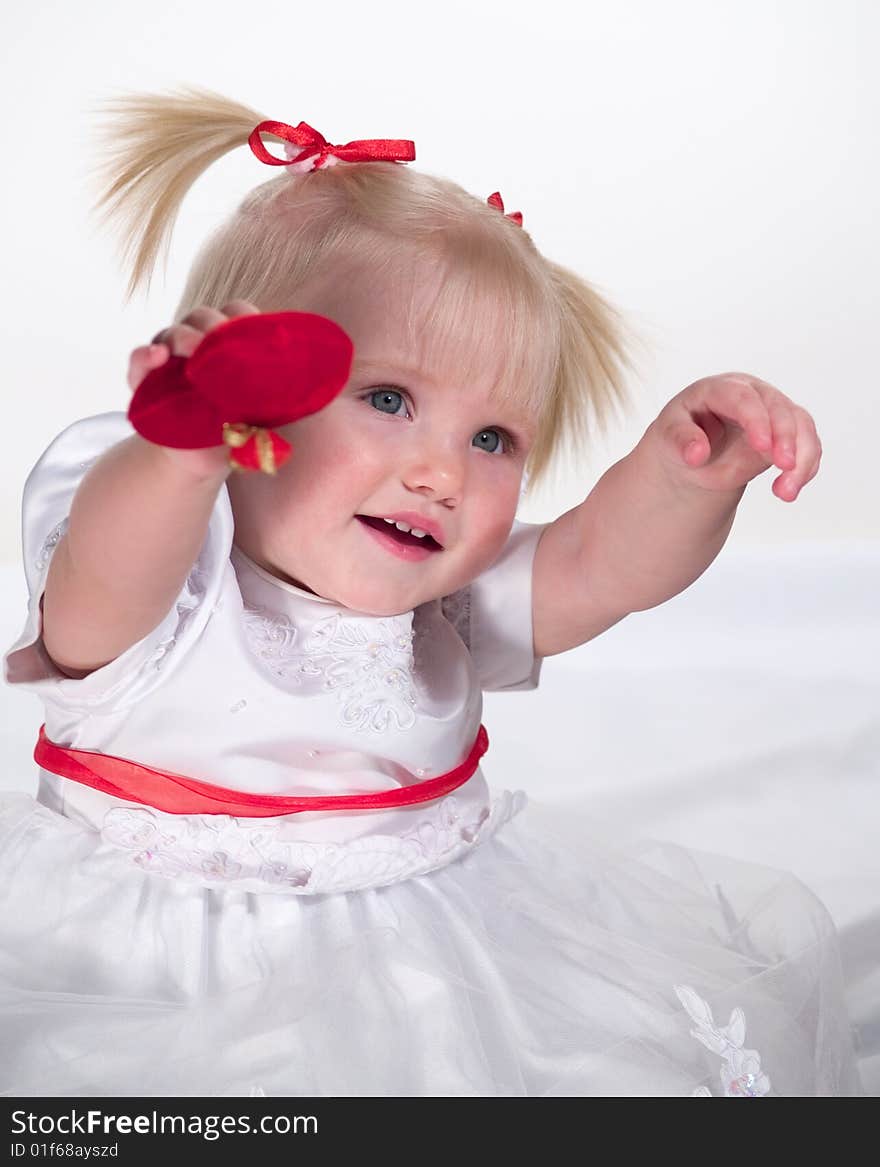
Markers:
point(239, 308)
point(783, 419)
point(691, 441)
point(204, 319)
point(783, 422)
point(789, 484)
point(143, 360)
point(736, 400)
point(182, 339)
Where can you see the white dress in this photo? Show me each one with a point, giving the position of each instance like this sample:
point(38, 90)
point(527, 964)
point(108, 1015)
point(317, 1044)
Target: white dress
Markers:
point(471, 945)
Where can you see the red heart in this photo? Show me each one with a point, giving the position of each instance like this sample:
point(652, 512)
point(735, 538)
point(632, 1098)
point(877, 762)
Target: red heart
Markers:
point(262, 370)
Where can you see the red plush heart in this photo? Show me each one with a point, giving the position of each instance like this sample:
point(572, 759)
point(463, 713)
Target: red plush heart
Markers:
point(247, 375)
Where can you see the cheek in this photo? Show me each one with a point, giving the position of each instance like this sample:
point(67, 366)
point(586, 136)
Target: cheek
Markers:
point(330, 463)
point(492, 516)
point(494, 530)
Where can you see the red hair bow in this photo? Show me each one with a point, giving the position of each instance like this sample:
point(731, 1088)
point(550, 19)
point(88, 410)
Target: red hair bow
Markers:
point(494, 200)
point(312, 145)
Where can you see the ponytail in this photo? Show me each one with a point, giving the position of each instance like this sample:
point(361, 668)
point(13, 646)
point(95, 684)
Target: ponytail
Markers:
point(155, 149)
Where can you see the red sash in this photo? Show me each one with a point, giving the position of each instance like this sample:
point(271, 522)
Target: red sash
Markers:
point(177, 794)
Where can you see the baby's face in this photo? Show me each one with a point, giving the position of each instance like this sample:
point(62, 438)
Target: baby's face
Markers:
point(405, 440)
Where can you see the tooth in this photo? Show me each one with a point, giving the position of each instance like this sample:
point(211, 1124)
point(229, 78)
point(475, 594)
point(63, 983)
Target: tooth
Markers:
point(391, 521)
point(402, 526)
point(418, 534)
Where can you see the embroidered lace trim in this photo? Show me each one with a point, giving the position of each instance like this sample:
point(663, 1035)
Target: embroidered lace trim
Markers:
point(248, 853)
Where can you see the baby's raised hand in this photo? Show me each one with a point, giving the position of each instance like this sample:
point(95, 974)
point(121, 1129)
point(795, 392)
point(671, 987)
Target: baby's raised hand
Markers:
point(181, 340)
point(722, 431)
point(233, 381)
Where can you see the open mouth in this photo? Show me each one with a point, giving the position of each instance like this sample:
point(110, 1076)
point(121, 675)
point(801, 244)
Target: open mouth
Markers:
point(403, 538)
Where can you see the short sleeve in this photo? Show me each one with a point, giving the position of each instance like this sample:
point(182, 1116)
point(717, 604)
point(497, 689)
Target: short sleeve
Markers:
point(48, 493)
point(493, 615)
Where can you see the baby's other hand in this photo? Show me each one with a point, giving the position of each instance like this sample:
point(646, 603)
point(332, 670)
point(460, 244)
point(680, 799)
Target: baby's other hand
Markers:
point(722, 431)
point(181, 340)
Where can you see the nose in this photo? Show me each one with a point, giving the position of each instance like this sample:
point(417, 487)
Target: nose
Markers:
point(435, 469)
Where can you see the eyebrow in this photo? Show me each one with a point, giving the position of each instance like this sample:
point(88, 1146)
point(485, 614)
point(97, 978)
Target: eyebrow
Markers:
point(406, 372)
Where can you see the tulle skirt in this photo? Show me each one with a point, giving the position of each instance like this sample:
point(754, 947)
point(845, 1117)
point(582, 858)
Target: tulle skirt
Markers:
point(544, 962)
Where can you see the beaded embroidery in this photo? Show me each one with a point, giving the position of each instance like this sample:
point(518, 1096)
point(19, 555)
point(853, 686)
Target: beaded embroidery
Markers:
point(50, 542)
point(368, 665)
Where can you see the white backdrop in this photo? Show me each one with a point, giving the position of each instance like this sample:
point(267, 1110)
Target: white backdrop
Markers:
point(711, 166)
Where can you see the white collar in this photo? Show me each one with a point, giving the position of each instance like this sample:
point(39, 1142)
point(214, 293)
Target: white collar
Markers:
point(238, 554)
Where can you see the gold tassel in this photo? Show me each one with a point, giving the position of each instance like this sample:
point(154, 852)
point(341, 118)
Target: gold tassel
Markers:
point(265, 451)
point(239, 433)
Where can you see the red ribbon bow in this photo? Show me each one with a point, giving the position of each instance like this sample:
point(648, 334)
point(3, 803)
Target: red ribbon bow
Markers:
point(494, 200)
point(315, 146)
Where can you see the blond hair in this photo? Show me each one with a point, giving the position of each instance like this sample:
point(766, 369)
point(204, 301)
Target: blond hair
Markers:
point(564, 346)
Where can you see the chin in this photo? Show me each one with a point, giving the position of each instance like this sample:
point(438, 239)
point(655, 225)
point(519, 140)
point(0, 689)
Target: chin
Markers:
point(370, 606)
point(383, 611)
point(373, 603)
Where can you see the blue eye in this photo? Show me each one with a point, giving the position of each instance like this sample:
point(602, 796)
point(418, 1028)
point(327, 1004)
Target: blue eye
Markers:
point(484, 441)
point(386, 400)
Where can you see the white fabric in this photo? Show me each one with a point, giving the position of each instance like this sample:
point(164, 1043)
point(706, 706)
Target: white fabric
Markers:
point(137, 955)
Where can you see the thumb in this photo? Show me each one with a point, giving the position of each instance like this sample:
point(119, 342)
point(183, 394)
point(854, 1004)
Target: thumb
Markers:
point(692, 444)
